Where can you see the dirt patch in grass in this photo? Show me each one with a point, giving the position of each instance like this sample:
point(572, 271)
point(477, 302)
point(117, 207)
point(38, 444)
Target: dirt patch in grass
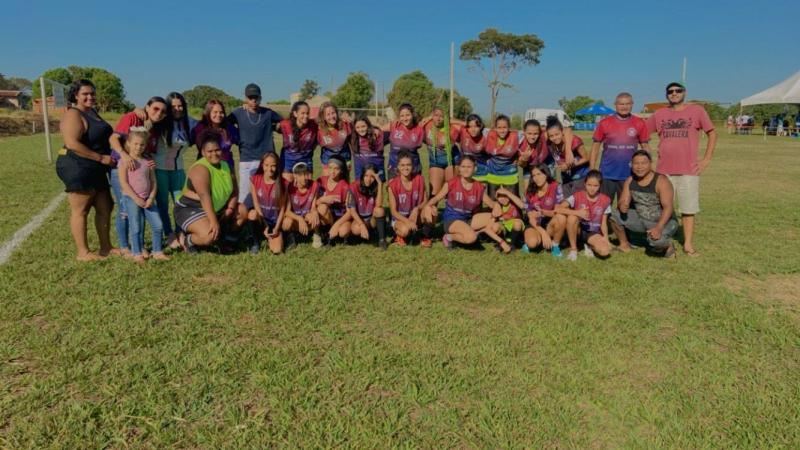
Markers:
point(212, 280)
point(779, 293)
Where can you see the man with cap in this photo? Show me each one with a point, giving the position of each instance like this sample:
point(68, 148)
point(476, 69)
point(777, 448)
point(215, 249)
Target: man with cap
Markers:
point(678, 126)
point(256, 125)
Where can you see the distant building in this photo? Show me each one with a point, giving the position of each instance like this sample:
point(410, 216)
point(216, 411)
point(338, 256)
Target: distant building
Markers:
point(51, 105)
point(12, 99)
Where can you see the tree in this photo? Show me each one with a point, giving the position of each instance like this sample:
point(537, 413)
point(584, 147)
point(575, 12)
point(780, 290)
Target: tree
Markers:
point(58, 74)
point(415, 88)
point(13, 83)
point(109, 89)
point(461, 105)
point(505, 53)
point(356, 92)
point(571, 105)
point(198, 96)
point(309, 89)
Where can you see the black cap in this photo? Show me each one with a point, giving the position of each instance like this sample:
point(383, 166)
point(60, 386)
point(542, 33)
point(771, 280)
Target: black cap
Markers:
point(674, 84)
point(251, 90)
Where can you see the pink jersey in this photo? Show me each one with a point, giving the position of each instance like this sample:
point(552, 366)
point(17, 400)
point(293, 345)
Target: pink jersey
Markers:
point(510, 212)
point(539, 153)
point(301, 202)
point(597, 209)
point(139, 178)
point(332, 138)
point(402, 138)
point(406, 200)
point(679, 138)
point(363, 204)
point(339, 207)
point(461, 203)
point(268, 197)
point(305, 144)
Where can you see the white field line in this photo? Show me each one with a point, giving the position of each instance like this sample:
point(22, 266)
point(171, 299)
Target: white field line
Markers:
point(19, 237)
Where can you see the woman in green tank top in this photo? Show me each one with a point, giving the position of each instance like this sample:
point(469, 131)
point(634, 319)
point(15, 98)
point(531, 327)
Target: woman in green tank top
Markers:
point(208, 197)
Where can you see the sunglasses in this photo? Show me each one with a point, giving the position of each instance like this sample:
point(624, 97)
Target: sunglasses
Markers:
point(675, 91)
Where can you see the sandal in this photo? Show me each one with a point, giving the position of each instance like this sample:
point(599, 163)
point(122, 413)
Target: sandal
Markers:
point(692, 254)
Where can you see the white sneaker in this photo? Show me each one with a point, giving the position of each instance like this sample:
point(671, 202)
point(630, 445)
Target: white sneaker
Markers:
point(573, 255)
point(316, 241)
point(587, 251)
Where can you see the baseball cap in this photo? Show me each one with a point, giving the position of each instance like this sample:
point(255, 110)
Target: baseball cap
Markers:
point(251, 90)
point(674, 84)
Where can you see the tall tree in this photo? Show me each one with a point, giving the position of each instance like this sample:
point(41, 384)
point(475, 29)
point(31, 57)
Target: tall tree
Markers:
point(415, 88)
point(497, 55)
point(356, 92)
point(198, 96)
point(461, 105)
point(309, 89)
point(58, 74)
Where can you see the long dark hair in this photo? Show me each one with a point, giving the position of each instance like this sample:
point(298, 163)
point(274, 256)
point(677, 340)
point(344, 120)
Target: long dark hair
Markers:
point(293, 120)
point(160, 128)
point(545, 169)
point(184, 121)
point(278, 179)
point(371, 190)
point(321, 115)
point(355, 138)
point(74, 88)
point(206, 120)
point(344, 174)
point(410, 108)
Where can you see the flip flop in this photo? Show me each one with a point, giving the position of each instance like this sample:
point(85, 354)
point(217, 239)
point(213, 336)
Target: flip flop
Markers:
point(693, 253)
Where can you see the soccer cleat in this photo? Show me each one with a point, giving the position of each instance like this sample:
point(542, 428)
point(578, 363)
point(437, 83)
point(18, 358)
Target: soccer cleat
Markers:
point(426, 243)
point(556, 251)
point(399, 241)
point(447, 242)
point(573, 255)
point(383, 245)
point(524, 248)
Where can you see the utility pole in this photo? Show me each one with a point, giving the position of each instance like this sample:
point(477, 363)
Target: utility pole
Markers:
point(452, 69)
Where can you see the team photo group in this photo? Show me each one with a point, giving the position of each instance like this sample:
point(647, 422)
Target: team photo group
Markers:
point(538, 189)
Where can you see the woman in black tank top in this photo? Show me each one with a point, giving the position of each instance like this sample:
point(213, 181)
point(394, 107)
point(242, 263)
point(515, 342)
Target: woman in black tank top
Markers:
point(83, 165)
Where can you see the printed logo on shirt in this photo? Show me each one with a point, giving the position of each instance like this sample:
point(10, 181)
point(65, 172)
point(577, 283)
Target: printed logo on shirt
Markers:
point(631, 132)
point(678, 128)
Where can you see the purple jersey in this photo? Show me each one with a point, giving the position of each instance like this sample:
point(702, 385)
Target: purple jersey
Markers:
point(461, 203)
point(597, 209)
point(402, 138)
point(267, 197)
point(301, 202)
point(472, 146)
point(332, 138)
point(406, 200)
point(305, 144)
point(363, 204)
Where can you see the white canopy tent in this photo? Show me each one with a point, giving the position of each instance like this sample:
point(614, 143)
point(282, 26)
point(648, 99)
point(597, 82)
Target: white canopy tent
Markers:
point(787, 91)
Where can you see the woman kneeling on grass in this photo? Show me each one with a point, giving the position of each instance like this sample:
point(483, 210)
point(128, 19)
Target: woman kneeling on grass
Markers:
point(301, 208)
point(332, 203)
point(407, 197)
point(209, 197)
point(508, 218)
point(587, 212)
point(546, 228)
point(268, 191)
point(365, 202)
point(461, 220)
point(139, 189)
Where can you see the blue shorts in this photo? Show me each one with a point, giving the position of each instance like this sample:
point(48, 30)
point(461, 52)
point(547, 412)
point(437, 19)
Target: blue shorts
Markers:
point(288, 160)
point(417, 166)
point(438, 158)
point(326, 155)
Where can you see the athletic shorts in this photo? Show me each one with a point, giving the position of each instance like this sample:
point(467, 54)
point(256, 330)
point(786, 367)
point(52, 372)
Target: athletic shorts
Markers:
point(612, 188)
point(584, 235)
point(326, 154)
point(288, 160)
point(439, 160)
point(81, 174)
point(188, 211)
point(687, 193)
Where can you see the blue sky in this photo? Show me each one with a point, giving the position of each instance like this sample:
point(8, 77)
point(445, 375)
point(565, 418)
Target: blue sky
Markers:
point(599, 48)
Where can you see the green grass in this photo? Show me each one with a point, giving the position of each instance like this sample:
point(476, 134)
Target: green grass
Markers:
point(351, 347)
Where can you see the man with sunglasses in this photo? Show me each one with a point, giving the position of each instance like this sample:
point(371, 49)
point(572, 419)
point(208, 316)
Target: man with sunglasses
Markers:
point(678, 127)
point(256, 125)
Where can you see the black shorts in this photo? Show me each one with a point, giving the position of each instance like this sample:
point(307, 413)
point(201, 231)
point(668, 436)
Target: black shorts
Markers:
point(612, 188)
point(188, 211)
point(81, 174)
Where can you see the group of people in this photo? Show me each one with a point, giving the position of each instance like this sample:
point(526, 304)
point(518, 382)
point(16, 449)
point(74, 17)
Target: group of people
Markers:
point(533, 189)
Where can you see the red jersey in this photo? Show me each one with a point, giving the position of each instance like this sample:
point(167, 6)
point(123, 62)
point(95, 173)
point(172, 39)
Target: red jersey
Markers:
point(461, 203)
point(363, 204)
point(472, 146)
point(307, 141)
point(547, 202)
point(402, 138)
point(339, 207)
point(539, 153)
point(406, 200)
point(268, 197)
point(332, 138)
point(301, 202)
point(435, 137)
point(367, 151)
point(597, 209)
point(510, 212)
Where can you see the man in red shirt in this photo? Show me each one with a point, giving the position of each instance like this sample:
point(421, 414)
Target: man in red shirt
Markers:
point(678, 127)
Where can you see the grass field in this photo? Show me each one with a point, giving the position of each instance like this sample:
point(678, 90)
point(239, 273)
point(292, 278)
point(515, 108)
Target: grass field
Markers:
point(351, 347)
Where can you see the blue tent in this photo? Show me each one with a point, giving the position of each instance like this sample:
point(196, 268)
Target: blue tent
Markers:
point(595, 110)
